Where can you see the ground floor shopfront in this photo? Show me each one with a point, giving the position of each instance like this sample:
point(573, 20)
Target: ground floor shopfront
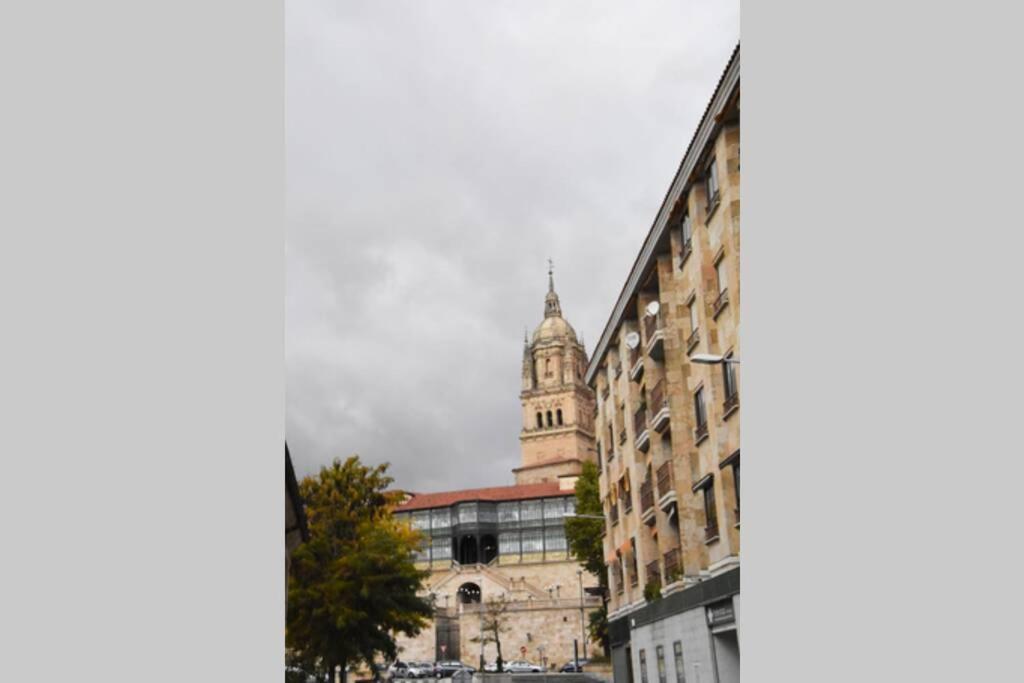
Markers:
point(690, 636)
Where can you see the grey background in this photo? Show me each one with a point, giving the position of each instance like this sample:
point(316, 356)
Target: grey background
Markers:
point(438, 155)
point(143, 384)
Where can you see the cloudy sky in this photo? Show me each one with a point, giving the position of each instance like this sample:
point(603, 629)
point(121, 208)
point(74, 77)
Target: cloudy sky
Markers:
point(438, 154)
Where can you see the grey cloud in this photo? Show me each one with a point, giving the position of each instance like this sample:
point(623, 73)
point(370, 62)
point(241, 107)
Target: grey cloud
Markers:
point(438, 154)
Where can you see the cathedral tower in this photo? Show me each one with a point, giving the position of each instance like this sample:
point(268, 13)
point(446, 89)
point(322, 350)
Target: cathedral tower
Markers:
point(558, 406)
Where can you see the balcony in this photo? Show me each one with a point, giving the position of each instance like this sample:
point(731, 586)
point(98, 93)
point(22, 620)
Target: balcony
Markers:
point(686, 251)
point(633, 578)
point(693, 340)
point(731, 403)
point(653, 572)
point(627, 500)
point(622, 436)
point(613, 512)
point(659, 407)
point(711, 531)
point(655, 336)
point(636, 365)
point(673, 567)
point(647, 502)
point(700, 433)
point(721, 302)
point(666, 487)
point(643, 439)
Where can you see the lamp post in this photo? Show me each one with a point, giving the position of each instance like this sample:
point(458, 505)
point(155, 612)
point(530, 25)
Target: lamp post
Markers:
point(583, 627)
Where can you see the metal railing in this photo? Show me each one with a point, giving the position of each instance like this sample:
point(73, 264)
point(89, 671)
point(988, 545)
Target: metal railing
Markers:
point(721, 301)
point(711, 531)
point(731, 401)
point(692, 340)
point(665, 479)
point(658, 398)
point(701, 431)
point(653, 572)
point(646, 496)
point(652, 323)
point(640, 420)
point(672, 566)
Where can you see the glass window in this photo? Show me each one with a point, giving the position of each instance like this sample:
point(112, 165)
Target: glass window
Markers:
point(710, 513)
point(441, 518)
point(533, 541)
point(736, 485)
point(508, 543)
point(677, 650)
point(422, 553)
point(441, 548)
point(531, 511)
point(721, 275)
point(686, 228)
point(554, 508)
point(643, 667)
point(421, 519)
point(693, 315)
point(698, 407)
point(554, 539)
point(660, 654)
point(712, 182)
point(570, 506)
point(487, 513)
point(508, 513)
point(729, 378)
point(467, 513)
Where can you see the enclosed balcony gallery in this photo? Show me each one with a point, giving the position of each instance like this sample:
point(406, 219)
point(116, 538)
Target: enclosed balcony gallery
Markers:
point(504, 525)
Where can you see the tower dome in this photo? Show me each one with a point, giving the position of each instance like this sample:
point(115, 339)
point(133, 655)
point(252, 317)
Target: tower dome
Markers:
point(554, 326)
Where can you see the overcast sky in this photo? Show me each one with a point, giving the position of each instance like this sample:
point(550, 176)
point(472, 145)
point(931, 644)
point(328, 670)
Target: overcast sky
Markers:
point(438, 154)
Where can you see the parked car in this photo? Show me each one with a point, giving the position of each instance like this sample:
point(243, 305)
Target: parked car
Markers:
point(450, 668)
point(398, 670)
point(419, 670)
point(519, 666)
point(491, 667)
point(570, 667)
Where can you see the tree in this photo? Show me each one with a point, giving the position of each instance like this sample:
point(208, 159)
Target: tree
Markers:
point(353, 585)
point(584, 537)
point(492, 625)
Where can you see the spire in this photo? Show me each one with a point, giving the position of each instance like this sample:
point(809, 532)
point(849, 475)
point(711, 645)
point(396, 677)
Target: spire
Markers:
point(552, 307)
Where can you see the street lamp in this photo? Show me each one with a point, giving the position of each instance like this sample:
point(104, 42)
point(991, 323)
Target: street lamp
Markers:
point(712, 359)
point(583, 628)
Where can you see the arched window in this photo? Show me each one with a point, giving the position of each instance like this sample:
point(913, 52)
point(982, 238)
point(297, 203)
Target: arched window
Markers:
point(559, 416)
point(550, 424)
point(540, 420)
point(547, 367)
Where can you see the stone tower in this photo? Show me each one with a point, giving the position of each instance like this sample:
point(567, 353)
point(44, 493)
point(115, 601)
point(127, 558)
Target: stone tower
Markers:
point(558, 406)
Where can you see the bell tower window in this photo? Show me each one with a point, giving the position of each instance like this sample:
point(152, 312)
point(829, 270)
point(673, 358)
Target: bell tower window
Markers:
point(550, 424)
point(559, 416)
point(540, 420)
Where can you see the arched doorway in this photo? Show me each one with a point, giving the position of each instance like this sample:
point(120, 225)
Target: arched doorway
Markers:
point(468, 550)
point(468, 593)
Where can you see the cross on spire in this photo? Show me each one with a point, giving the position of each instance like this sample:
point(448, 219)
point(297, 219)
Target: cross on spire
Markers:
point(551, 275)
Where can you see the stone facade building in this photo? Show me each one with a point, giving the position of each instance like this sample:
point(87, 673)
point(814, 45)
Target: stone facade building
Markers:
point(667, 425)
point(509, 541)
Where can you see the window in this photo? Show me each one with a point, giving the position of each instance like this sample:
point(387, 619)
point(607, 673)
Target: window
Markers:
point(677, 650)
point(467, 513)
point(660, 654)
point(554, 509)
point(440, 518)
point(508, 543)
point(643, 667)
point(692, 309)
point(533, 541)
point(736, 485)
point(421, 519)
point(686, 235)
point(711, 184)
point(441, 548)
point(550, 423)
point(540, 420)
point(554, 540)
point(508, 513)
point(710, 513)
point(558, 416)
point(729, 379)
point(700, 413)
point(721, 275)
point(531, 511)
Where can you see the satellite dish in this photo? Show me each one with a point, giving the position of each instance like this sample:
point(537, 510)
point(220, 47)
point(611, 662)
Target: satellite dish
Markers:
point(653, 308)
point(632, 340)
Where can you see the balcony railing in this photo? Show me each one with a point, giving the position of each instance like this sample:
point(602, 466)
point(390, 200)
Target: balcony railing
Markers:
point(627, 500)
point(687, 250)
point(640, 420)
point(665, 480)
point(731, 401)
point(636, 364)
point(711, 531)
point(622, 436)
point(646, 496)
point(721, 301)
point(701, 431)
point(673, 569)
point(619, 584)
point(653, 572)
point(651, 325)
point(613, 512)
point(633, 578)
point(658, 398)
point(692, 340)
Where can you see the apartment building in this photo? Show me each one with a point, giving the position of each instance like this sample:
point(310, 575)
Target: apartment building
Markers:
point(666, 378)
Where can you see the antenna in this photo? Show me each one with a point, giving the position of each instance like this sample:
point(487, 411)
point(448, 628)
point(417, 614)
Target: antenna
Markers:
point(632, 340)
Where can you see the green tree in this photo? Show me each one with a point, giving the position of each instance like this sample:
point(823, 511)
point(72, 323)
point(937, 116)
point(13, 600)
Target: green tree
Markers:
point(492, 625)
point(353, 585)
point(584, 537)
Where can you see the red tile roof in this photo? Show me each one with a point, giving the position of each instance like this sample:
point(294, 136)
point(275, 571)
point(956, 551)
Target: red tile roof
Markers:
point(422, 501)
